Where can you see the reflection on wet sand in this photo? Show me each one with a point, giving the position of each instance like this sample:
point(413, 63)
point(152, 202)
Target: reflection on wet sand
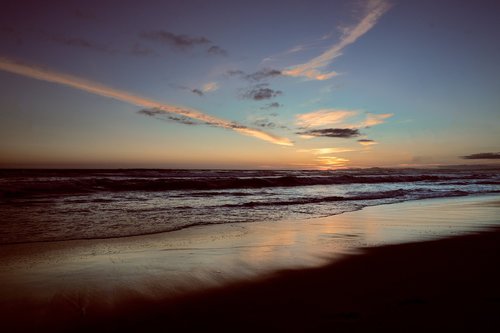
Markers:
point(206, 256)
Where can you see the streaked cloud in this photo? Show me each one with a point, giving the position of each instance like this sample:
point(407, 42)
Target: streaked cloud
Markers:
point(33, 72)
point(312, 69)
point(482, 156)
point(324, 117)
point(367, 142)
point(331, 133)
point(159, 114)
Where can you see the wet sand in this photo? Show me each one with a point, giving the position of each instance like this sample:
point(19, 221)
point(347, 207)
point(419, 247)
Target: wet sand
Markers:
point(219, 276)
point(445, 285)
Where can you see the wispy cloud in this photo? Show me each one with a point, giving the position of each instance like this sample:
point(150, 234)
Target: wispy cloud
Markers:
point(210, 87)
point(482, 156)
point(313, 69)
point(374, 119)
point(179, 41)
point(273, 105)
point(235, 72)
point(217, 50)
point(182, 42)
point(33, 72)
point(324, 117)
point(261, 74)
point(206, 88)
point(345, 133)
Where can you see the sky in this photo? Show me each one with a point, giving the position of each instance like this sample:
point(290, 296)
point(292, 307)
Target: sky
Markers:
point(239, 84)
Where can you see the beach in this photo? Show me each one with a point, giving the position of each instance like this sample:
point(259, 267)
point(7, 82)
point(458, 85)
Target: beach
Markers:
point(348, 269)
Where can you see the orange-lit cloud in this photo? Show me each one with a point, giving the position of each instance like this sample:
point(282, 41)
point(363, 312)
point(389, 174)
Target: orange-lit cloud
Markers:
point(324, 117)
point(101, 90)
point(312, 69)
point(331, 161)
point(324, 151)
point(374, 119)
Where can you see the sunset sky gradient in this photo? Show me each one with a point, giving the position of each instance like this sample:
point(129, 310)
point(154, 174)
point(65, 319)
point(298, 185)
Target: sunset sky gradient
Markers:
point(262, 84)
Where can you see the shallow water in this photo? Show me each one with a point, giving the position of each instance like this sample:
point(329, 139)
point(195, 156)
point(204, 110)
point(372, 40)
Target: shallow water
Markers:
point(211, 255)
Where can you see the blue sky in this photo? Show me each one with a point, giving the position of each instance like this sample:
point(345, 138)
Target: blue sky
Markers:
point(266, 84)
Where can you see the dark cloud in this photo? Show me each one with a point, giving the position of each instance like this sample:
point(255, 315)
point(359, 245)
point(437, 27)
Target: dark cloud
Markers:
point(197, 92)
point(266, 123)
point(482, 156)
point(272, 105)
point(81, 42)
point(165, 116)
point(159, 114)
point(332, 132)
point(234, 125)
point(217, 50)
point(178, 41)
point(182, 42)
point(262, 74)
point(261, 92)
point(366, 140)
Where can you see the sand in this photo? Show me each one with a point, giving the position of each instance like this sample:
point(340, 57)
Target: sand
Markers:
point(210, 276)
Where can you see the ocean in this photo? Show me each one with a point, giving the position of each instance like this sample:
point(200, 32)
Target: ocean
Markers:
point(54, 205)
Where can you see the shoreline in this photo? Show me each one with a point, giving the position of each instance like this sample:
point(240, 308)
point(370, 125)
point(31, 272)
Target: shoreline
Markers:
point(102, 274)
point(166, 232)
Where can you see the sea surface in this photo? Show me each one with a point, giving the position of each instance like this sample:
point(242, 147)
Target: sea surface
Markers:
point(53, 205)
